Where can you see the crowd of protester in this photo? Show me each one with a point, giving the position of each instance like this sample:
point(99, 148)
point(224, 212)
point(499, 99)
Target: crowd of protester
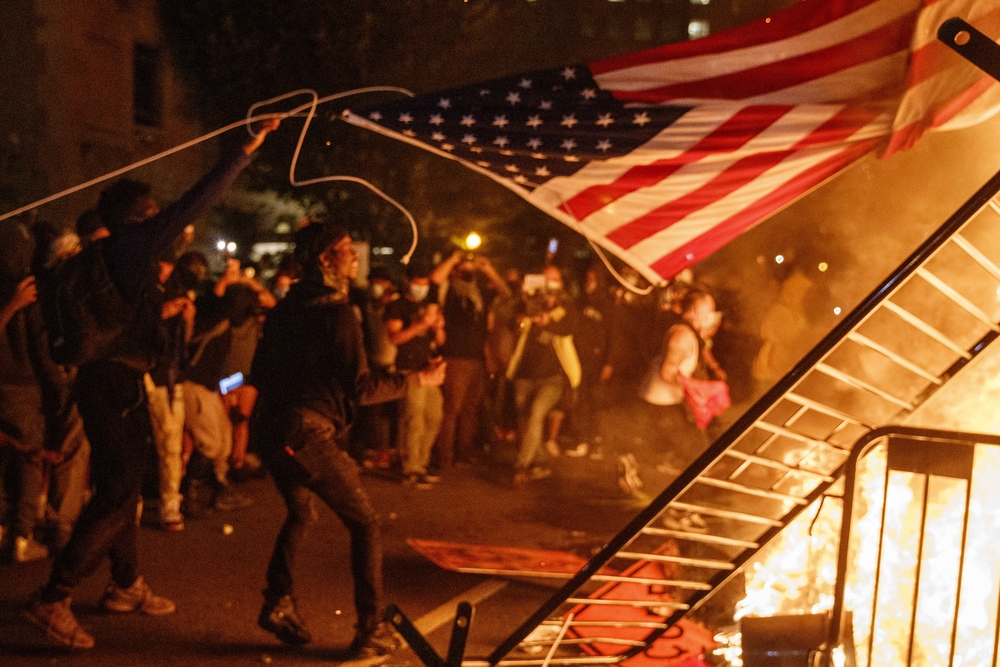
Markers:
point(515, 370)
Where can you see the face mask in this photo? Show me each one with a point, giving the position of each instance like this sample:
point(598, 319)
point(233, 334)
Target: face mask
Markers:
point(553, 286)
point(378, 289)
point(419, 292)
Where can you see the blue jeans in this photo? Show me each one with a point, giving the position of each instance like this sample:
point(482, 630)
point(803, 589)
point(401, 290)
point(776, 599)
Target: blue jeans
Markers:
point(322, 467)
point(534, 400)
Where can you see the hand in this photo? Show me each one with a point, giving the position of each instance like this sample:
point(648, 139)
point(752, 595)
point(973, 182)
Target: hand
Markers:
point(177, 306)
point(431, 315)
point(262, 129)
point(433, 375)
point(25, 294)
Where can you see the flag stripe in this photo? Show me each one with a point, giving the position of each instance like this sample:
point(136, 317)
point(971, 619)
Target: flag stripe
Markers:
point(733, 134)
point(706, 243)
point(807, 126)
point(740, 173)
point(791, 31)
point(787, 72)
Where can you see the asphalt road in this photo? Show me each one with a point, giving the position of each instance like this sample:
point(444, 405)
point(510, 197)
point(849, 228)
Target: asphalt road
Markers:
point(216, 578)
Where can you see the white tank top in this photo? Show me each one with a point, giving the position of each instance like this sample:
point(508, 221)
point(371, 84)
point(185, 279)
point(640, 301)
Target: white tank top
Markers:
point(657, 391)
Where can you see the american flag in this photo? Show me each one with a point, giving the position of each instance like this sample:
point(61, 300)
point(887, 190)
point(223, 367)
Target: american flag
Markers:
point(664, 155)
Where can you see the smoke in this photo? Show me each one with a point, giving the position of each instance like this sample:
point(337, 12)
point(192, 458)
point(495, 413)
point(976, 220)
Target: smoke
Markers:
point(846, 237)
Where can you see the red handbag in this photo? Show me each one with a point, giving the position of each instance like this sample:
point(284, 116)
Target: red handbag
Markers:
point(707, 398)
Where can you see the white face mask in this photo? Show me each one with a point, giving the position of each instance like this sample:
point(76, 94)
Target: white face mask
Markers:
point(553, 286)
point(420, 292)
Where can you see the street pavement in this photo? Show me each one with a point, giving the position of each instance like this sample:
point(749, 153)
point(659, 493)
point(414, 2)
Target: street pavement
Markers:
point(215, 575)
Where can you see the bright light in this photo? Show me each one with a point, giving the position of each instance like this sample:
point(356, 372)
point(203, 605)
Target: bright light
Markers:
point(823, 266)
point(473, 241)
point(221, 245)
point(231, 247)
point(836, 311)
point(779, 259)
point(697, 28)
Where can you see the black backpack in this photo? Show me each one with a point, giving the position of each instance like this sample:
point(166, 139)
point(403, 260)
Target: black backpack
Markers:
point(84, 310)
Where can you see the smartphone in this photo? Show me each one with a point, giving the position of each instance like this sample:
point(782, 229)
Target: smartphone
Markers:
point(235, 380)
point(553, 246)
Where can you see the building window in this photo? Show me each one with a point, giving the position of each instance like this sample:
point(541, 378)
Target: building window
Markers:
point(698, 28)
point(147, 93)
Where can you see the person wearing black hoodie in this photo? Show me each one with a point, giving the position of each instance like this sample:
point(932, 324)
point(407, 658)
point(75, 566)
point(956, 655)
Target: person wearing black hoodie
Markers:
point(312, 372)
point(112, 402)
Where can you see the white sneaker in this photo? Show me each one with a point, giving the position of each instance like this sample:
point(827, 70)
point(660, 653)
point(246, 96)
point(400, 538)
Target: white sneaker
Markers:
point(27, 549)
point(628, 474)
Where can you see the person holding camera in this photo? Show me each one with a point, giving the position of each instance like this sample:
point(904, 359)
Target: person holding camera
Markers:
point(467, 286)
point(544, 363)
point(415, 326)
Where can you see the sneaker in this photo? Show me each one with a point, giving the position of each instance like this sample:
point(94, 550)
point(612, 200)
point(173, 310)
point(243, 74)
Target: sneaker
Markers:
point(580, 450)
point(172, 521)
point(688, 522)
point(58, 622)
point(380, 641)
point(280, 618)
point(539, 472)
point(628, 474)
point(27, 549)
point(520, 479)
point(432, 477)
point(415, 480)
point(552, 447)
point(229, 498)
point(137, 597)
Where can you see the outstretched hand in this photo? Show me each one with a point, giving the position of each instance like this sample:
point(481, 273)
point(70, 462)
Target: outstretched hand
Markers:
point(262, 129)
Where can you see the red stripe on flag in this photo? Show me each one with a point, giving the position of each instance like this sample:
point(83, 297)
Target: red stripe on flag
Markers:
point(789, 22)
point(730, 136)
point(736, 176)
point(886, 40)
point(705, 244)
point(840, 128)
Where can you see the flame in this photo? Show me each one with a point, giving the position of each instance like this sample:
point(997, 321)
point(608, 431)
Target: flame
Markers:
point(909, 580)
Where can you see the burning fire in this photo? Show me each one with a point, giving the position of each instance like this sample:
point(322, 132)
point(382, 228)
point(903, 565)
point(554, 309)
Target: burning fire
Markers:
point(914, 595)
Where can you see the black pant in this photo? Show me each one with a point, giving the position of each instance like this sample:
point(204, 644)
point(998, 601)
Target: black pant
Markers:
point(320, 466)
point(112, 402)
